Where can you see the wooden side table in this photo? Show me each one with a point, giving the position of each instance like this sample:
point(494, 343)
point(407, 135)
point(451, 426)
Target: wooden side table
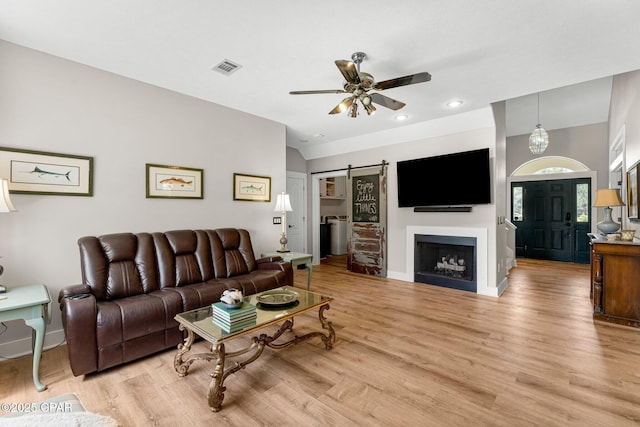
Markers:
point(296, 259)
point(29, 303)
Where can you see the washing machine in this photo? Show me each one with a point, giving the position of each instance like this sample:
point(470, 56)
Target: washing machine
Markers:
point(338, 230)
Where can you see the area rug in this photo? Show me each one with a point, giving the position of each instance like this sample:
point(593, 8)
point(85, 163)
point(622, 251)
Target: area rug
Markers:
point(60, 419)
point(60, 411)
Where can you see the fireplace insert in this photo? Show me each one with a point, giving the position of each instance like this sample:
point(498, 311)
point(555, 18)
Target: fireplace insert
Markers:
point(448, 261)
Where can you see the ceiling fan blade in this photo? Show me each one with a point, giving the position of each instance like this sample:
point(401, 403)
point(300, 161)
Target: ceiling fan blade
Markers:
point(348, 70)
point(385, 101)
point(313, 92)
point(343, 106)
point(403, 81)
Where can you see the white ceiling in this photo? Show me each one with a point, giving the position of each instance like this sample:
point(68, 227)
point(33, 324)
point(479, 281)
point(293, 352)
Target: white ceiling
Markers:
point(477, 51)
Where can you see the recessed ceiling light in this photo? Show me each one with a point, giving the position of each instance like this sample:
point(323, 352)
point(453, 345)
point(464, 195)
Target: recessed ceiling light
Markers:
point(402, 117)
point(318, 135)
point(455, 103)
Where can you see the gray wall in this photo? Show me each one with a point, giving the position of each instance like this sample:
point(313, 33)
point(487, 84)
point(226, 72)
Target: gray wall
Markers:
point(587, 144)
point(399, 218)
point(625, 112)
point(295, 161)
point(50, 104)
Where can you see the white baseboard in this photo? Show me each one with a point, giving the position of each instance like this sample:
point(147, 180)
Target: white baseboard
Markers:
point(21, 347)
point(503, 286)
point(399, 275)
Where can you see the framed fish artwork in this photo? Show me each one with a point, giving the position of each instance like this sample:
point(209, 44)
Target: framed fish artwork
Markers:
point(39, 172)
point(174, 182)
point(251, 188)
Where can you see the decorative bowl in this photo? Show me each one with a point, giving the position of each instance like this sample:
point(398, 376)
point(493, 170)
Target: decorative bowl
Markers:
point(627, 235)
point(232, 298)
point(232, 305)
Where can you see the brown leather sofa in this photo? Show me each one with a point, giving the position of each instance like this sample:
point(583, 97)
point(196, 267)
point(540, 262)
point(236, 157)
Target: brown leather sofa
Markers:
point(134, 285)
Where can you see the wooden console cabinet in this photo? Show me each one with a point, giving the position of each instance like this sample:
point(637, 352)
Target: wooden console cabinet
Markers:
point(615, 281)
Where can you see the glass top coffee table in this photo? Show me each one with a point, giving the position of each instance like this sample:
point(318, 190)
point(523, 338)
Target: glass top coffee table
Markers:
point(199, 322)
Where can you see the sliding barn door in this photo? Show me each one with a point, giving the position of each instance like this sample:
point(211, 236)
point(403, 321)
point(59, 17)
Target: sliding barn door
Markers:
point(367, 220)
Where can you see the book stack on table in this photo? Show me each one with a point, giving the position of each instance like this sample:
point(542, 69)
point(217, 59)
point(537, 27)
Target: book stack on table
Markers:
point(233, 319)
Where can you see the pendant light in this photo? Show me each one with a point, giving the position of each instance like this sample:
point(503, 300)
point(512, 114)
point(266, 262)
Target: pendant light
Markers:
point(539, 139)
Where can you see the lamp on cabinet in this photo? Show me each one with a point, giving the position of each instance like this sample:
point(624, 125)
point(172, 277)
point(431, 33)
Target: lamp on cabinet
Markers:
point(606, 198)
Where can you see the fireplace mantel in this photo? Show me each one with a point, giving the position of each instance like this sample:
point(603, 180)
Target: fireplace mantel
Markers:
point(482, 251)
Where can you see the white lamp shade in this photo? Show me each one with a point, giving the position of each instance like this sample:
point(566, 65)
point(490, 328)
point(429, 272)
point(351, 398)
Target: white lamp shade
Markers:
point(283, 204)
point(6, 205)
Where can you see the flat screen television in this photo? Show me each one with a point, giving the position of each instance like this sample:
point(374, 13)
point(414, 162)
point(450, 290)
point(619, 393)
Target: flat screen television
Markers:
point(457, 179)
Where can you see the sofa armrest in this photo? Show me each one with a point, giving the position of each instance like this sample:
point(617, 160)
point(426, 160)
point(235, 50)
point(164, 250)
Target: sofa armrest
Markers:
point(73, 290)
point(276, 263)
point(79, 313)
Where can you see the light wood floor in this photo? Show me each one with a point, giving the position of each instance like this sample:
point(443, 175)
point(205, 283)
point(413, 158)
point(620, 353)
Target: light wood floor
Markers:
point(406, 355)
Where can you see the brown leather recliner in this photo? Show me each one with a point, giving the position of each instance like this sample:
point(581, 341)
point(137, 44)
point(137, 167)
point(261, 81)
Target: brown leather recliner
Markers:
point(134, 285)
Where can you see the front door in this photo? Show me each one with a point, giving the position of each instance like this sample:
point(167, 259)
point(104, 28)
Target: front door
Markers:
point(553, 219)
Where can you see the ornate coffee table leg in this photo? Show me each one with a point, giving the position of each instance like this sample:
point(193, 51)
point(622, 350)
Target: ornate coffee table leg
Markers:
point(182, 366)
point(216, 389)
point(328, 340)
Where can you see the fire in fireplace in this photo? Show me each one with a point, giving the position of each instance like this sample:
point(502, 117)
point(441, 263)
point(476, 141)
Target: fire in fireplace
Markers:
point(448, 261)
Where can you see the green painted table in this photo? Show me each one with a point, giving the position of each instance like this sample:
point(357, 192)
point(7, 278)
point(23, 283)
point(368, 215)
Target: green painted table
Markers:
point(29, 303)
point(296, 259)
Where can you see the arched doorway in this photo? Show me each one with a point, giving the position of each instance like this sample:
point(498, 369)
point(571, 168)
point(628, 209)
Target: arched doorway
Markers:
point(550, 204)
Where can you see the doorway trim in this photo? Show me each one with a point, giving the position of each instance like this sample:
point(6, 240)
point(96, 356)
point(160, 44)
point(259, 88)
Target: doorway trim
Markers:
point(315, 210)
point(303, 229)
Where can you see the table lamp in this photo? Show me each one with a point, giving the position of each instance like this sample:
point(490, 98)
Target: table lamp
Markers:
point(606, 198)
point(5, 206)
point(283, 205)
point(5, 200)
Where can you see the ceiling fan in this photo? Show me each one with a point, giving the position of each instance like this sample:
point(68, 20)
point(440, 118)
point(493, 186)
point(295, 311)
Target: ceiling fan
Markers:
point(358, 84)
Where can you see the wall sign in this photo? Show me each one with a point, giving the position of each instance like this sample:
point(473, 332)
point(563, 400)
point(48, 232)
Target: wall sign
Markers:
point(366, 198)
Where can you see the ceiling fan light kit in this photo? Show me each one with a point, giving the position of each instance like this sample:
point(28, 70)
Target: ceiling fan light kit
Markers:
point(354, 110)
point(358, 84)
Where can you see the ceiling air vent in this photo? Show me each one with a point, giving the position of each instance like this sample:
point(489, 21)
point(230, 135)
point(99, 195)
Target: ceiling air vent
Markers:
point(227, 67)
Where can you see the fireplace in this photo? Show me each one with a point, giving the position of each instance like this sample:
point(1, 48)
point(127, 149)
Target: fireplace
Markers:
point(448, 261)
point(481, 255)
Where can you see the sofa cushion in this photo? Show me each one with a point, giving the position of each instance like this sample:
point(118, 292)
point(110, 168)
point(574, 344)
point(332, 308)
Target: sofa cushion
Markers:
point(256, 281)
point(232, 252)
point(199, 294)
point(184, 244)
point(184, 258)
point(118, 265)
point(128, 318)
